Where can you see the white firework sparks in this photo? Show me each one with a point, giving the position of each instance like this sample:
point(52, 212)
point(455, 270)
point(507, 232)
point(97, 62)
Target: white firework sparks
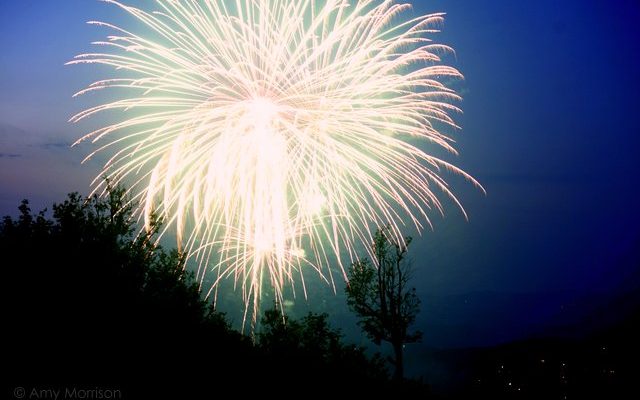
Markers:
point(273, 134)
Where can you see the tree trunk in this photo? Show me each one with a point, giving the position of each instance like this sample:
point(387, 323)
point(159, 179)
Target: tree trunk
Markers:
point(399, 361)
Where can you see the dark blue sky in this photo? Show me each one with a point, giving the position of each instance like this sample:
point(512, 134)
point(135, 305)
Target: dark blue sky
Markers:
point(550, 128)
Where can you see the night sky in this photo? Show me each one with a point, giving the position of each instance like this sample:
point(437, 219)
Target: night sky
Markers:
point(550, 128)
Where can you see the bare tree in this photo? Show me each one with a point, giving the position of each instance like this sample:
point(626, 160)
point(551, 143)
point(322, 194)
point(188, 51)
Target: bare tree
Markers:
point(378, 293)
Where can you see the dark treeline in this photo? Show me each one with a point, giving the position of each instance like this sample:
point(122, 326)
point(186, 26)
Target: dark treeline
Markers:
point(92, 303)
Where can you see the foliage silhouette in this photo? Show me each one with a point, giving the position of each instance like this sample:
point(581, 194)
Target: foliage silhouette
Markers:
point(310, 341)
point(378, 293)
point(93, 301)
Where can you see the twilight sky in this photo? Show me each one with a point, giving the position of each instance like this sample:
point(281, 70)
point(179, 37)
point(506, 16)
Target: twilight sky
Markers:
point(550, 128)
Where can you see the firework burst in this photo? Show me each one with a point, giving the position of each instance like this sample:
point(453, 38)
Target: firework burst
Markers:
point(273, 135)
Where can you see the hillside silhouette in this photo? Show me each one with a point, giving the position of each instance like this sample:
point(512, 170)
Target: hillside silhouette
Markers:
point(91, 302)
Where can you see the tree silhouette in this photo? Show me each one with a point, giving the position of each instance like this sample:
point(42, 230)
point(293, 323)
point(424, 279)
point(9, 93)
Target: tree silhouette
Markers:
point(90, 298)
point(308, 350)
point(379, 294)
